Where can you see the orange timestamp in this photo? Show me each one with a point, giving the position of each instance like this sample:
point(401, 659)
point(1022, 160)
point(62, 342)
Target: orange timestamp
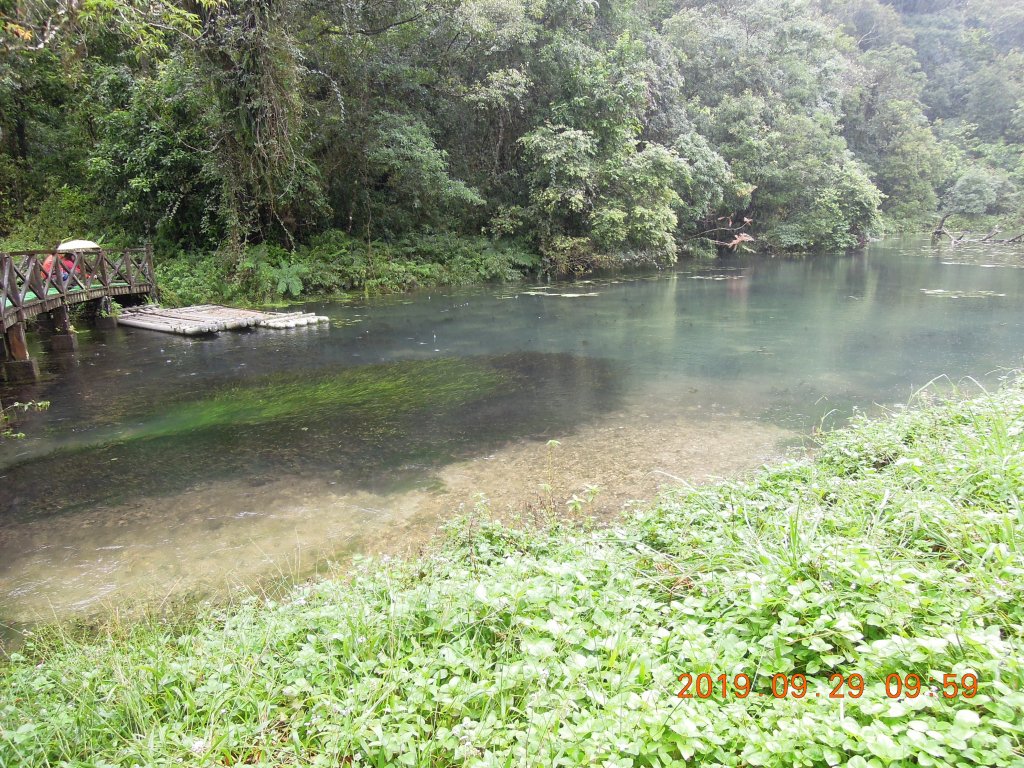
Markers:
point(795, 686)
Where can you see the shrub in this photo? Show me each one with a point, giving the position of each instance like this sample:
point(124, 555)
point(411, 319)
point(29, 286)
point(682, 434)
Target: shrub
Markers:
point(335, 261)
point(192, 279)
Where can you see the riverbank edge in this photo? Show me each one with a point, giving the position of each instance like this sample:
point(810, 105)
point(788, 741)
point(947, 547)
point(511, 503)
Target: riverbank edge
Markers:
point(897, 549)
point(336, 264)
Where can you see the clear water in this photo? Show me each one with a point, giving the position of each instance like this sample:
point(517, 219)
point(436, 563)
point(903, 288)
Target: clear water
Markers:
point(168, 466)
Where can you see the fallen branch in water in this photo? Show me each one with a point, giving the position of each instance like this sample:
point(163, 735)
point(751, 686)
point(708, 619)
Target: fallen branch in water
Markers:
point(943, 231)
point(989, 239)
point(729, 228)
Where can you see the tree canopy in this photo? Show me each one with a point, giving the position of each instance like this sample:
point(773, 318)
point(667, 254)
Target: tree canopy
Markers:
point(586, 131)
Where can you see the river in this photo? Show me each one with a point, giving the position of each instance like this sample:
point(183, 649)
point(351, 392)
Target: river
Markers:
point(170, 467)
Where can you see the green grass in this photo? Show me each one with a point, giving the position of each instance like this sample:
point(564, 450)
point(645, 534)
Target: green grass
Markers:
point(898, 548)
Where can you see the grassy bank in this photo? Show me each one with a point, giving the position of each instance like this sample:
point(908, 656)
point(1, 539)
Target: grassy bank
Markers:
point(898, 549)
point(334, 262)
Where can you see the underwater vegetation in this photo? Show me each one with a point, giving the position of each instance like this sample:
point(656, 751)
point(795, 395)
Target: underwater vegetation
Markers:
point(372, 391)
point(382, 426)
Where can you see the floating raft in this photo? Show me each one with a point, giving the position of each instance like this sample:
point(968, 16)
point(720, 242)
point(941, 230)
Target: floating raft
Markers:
point(211, 318)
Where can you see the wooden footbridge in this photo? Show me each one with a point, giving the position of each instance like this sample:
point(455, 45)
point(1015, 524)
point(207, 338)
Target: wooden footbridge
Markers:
point(34, 283)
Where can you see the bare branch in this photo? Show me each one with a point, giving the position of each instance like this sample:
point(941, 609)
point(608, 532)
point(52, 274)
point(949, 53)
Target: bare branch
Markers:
point(335, 31)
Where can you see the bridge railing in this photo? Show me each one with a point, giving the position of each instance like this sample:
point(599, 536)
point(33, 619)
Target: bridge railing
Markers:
point(31, 278)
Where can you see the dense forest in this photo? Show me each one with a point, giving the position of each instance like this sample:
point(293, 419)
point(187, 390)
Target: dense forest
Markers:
point(272, 149)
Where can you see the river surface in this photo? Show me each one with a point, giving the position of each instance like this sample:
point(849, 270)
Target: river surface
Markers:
point(170, 466)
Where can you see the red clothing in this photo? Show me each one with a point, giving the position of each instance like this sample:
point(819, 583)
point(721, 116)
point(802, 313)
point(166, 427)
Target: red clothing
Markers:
point(67, 264)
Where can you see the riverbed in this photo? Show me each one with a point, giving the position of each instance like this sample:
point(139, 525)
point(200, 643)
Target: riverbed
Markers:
point(168, 467)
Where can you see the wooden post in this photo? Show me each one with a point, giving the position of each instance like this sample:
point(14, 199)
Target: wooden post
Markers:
point(8, 289)
point(34, 277)
point(150, 271)
point(19, 367)
point(101, 269)
point(126, 265)
point(17, 345)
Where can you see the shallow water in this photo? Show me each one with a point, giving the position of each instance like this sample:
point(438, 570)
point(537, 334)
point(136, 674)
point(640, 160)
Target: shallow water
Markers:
point(168, 466)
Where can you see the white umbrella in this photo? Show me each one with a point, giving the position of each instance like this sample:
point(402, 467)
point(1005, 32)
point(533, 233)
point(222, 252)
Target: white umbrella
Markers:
point(78, 245)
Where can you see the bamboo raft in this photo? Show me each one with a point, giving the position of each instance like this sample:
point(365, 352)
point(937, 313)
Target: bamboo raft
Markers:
point(211, 318)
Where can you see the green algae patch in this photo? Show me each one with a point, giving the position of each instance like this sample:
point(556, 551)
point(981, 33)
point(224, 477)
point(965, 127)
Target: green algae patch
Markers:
point(380, 428)
point(371, 392)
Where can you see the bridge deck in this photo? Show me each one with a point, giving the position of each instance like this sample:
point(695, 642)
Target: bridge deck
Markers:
point(31, 282)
